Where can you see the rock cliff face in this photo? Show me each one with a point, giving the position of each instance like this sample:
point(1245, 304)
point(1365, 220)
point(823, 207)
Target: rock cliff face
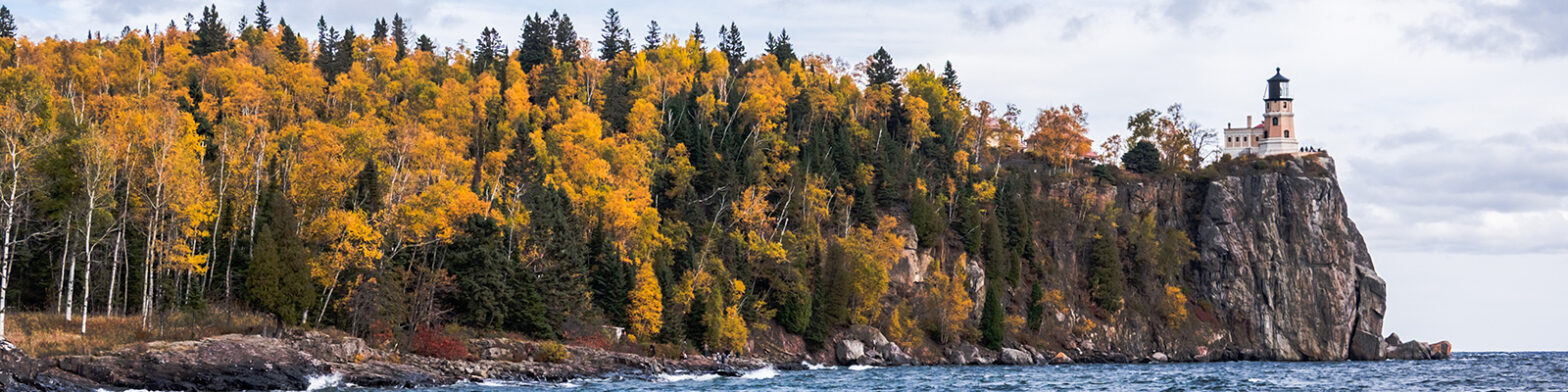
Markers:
point(1287, 272)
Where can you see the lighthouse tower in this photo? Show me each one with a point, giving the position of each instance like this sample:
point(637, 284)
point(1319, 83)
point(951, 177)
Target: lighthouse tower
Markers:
point(1279, 123)
point(1276, 134)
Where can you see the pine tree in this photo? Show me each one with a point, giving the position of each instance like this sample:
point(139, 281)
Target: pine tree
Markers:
point(732, 46)
point(609, 277)
point(400, 36)
point(367, 193)
point(479, 263)
point(781, 49)
point(379, 33)
point(537, 40)
point(211, 35)
point(616, 38)
point(654, 38)
point(880, 69)
point(993, 328)
point(565, 36)
point(342, 56)
point(1144, 157)
point(263, 21)
point(7, 24)
point(279, 278)
point(290, 48)
point(950, 77)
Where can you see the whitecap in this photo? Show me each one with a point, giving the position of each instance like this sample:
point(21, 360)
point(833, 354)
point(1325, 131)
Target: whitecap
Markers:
point(815, 366)
point(687, 377)
point(860, 367)
point(323, 381)
point(763, 373)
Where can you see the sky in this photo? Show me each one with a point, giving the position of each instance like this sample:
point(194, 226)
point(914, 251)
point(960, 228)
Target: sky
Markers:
point(1448, 120)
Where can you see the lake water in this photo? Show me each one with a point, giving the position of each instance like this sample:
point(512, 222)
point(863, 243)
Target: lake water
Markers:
point(1465, 372)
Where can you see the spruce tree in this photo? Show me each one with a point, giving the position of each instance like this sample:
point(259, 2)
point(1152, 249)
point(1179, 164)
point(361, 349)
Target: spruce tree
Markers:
point(342, 56)
point(278, 280)
point(366, 194)
point(379, 32)
point(489, 53)
point(326, 46)
point(696, 33)
point(263, 21)
point(400, 36)
point(950, 77)
point(537, 40)
point(880, 69)
point(7, 24)
point(565, 36)
point(479, 264)
point(993, 328)
point(655, 37)
point(616, 38)
point(780, 48)
point(732, 46)
point(1105, 270)
point(425, 44)
point(290, 47)
point(1144, 158)
point(211, 35)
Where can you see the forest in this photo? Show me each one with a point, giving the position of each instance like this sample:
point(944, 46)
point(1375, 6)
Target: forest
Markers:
point(685, 188)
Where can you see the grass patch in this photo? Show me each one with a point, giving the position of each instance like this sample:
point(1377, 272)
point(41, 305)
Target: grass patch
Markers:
point(47, 334)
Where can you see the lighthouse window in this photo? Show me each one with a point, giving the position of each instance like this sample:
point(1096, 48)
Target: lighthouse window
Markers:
point(1276, 121)
point(1287, 133)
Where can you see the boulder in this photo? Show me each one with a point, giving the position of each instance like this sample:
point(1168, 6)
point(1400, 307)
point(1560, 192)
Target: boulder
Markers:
point(1411, 350)
point(1441, 350)
point(1393, 339)
point(965, 353)
point(1061, 359)
point(1160, 357)
point(377, 374)
point(1014, 357)
point(20, 372)
point(849, 352)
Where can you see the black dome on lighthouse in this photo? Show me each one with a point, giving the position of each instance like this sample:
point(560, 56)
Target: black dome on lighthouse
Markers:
point(1277, 77)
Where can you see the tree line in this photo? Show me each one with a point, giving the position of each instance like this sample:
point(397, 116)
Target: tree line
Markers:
point(383, 184)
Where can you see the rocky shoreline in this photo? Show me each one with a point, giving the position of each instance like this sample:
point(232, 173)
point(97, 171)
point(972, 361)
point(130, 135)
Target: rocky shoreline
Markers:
point(250, 362)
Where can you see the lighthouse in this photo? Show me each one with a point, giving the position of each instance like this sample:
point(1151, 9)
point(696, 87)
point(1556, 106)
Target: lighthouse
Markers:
point(1277, 133)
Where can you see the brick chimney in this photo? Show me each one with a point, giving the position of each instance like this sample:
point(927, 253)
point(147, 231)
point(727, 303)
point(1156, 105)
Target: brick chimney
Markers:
point(1249, 121)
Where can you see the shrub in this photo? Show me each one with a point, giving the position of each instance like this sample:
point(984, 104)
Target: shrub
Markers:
point(1174, 306)
point(552, 352)
point(433, 343)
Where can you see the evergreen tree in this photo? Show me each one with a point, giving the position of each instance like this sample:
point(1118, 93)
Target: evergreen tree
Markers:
point(780, 48)
point(950, 77)
point(400, 36)
point(993, 328)
point(425, 44)
point(342, 56)
point(211, 35)
point(1105, 271)
point(379, 32)
point(290, 47)
point(654, 37)
point(696, 33)
point(479, 264)
point(326, 46)
point(537, 40)
point(880, 69)
point(616, 38)
point(1144, 157)
point(609, 277)
point(263, 21)
point(565, 36)
point(7, 24)
point(367, 193)
point(732, 46)
point(279, 277)
point(489, 53)
point(1036, 315)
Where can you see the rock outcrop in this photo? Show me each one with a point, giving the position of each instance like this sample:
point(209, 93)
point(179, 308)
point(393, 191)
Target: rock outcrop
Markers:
point(864, 345)
point(228, 362)
point(1285, 268)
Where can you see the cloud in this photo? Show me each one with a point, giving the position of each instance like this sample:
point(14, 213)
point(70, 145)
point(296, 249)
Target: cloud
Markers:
point(996, 17)
point(1502, 194)
point(1187, 14)
point(1533, 29)
point(1074, 27)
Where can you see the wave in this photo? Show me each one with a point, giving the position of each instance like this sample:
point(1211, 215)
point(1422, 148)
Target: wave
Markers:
point(860, 367)
point(323, 381)
point(687, 377)
point(763, 373)
point(814, 366)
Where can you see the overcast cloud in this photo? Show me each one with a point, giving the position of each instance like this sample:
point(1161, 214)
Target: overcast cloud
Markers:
point(1447, 119)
